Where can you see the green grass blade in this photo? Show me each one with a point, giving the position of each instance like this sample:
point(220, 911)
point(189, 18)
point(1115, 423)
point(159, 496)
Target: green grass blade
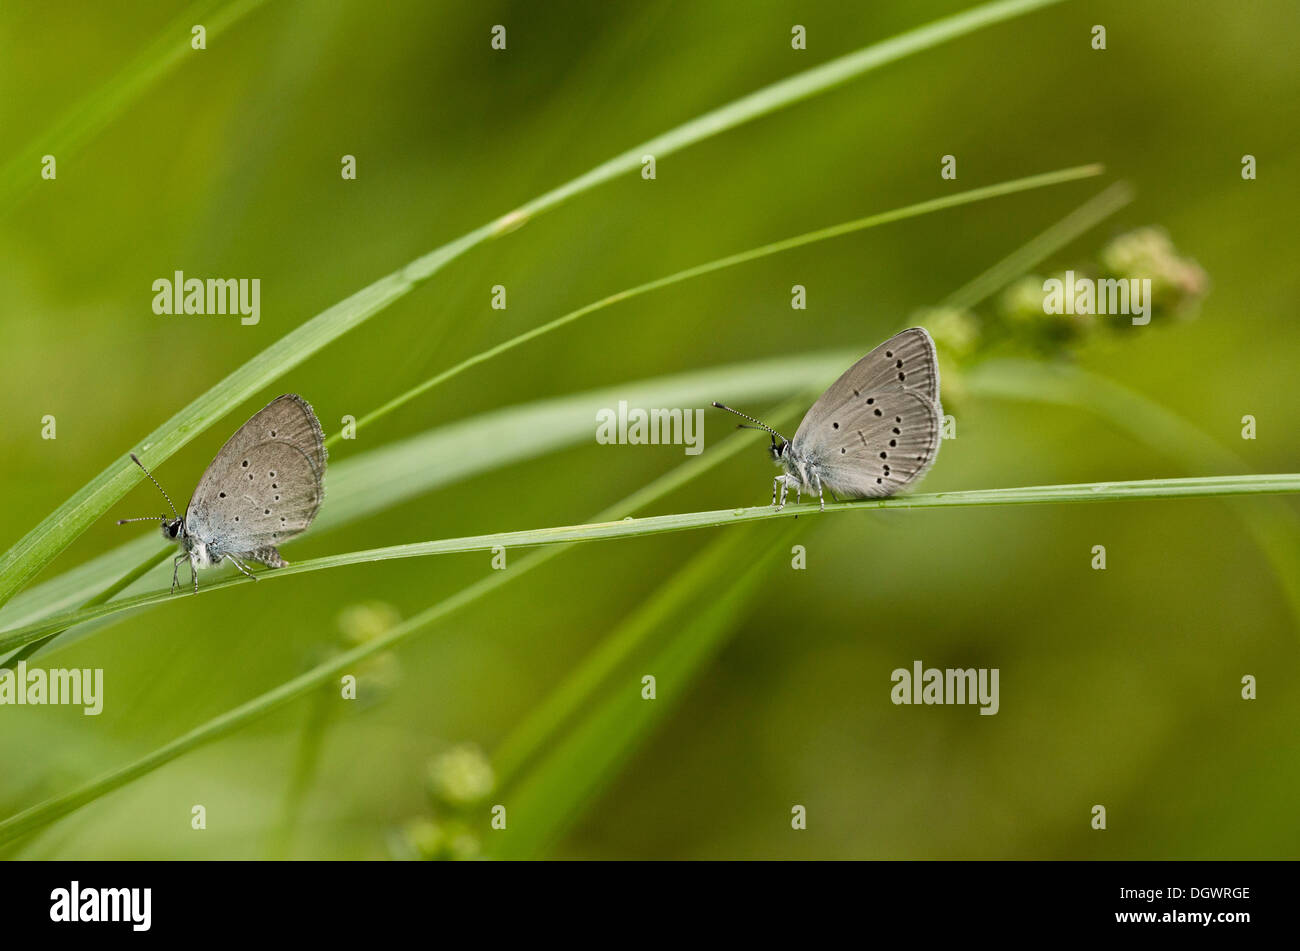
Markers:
point(822, 234)
point(36, 549)
point(1215, 486)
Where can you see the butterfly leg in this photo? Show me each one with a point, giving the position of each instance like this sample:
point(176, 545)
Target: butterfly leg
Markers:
point(817, 484)
point(176, 565)
point(241, 566)
point(194, 576)
point(776, 484)
point(785, 487)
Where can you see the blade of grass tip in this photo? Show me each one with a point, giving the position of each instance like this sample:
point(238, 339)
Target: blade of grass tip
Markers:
point(550, 796)
point(39, 546)
point(1218, 486)
point(43, 813)
point(1083, 219)
point(970, 196)
point(108, 100)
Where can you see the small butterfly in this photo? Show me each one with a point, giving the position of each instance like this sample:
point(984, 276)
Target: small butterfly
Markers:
point(263, 488)
point(874, 432)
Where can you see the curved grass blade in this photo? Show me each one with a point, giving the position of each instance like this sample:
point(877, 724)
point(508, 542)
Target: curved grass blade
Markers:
point(822, 234)
point(1213, 486)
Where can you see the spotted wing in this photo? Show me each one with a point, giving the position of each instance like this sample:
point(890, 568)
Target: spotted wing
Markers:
point(905, 360)
point(265, 485)
point(874, 445)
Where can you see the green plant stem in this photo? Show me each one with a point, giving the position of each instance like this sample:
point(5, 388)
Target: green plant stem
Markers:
point(653, 525)
point(834, 231)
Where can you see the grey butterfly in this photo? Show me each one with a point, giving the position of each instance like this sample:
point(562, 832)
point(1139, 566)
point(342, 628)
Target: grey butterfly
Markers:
point(874, 432)
point(263, 488)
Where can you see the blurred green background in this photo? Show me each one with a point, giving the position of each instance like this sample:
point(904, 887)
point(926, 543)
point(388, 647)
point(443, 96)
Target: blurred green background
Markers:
point(1118, 687)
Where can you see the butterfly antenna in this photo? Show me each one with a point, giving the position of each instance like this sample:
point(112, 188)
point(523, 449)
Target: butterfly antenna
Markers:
point(760, 424)
point(136, 460)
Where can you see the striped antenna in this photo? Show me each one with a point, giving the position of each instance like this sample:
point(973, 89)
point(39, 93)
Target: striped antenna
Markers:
point(136, 460)
point(759, 422)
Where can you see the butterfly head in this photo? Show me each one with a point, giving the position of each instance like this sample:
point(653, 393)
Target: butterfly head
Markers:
point(778, 450)
point(172, 528)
